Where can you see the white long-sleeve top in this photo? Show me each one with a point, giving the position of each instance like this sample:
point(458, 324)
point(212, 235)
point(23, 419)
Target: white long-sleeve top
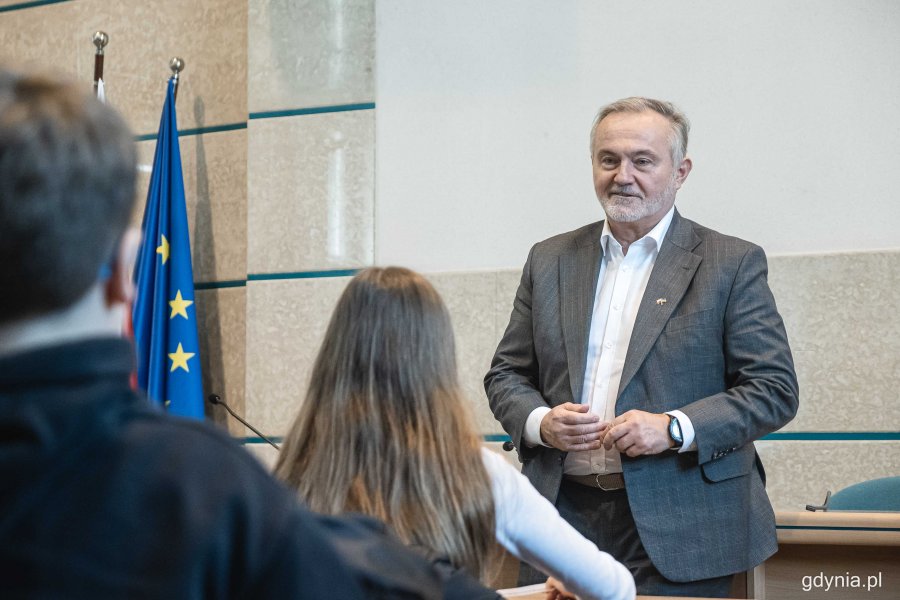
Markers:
point(530, 528)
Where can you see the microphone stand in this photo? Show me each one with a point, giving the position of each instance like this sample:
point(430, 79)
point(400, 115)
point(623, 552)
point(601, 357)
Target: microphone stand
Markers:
point(215, 400)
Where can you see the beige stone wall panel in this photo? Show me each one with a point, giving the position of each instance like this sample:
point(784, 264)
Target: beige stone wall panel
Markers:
point(209, 35)
point(286, 321)
point(470, 298)
point(845, 336)
point(45, 38)
point(800, 472)
point(310, 53)
point(311, 192)
point(214, 166)
point(223, 342)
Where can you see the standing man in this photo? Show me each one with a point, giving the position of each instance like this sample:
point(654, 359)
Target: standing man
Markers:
point(643, 357)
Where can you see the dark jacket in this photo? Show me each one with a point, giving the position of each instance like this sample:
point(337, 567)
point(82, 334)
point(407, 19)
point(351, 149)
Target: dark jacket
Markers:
point(104, 496)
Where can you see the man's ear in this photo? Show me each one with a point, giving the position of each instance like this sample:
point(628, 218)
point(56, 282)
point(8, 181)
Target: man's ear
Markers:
point(683, 170)
point(119, 288)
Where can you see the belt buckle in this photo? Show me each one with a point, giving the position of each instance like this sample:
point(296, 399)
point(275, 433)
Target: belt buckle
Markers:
point(600, 485)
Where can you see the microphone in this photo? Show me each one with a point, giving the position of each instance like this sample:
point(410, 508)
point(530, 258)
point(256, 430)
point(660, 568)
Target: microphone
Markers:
point(215, 400)
point(508, 446)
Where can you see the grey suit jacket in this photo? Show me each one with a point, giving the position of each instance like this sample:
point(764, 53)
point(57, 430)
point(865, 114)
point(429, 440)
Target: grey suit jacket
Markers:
point(716, 349)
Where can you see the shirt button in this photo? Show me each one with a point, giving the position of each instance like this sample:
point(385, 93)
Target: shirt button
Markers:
point(608, 345)
point(617, 307)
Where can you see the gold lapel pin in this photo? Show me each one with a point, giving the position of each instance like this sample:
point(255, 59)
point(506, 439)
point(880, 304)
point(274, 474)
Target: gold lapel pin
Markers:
point(660, 301)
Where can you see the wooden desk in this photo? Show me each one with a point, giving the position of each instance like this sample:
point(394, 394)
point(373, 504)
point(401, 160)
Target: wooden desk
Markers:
point(543, 596)
point(824, 544)
point(834, 555)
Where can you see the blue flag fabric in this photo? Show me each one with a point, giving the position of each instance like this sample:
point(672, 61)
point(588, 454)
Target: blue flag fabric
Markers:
point(164, 315)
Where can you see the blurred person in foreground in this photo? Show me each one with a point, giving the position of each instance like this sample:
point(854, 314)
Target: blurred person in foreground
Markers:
point(101, 494)
point(385, 431)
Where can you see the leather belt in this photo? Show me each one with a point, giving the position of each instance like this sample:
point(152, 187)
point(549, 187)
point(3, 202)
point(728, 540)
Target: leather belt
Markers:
point(608, 483)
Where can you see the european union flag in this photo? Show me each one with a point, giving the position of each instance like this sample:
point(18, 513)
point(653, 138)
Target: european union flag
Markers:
point(164, 315)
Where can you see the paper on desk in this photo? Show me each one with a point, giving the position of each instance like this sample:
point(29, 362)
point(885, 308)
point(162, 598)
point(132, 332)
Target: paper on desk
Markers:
point(525, 590)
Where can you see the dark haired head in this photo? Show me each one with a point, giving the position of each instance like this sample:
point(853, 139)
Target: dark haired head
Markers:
point(67, 177)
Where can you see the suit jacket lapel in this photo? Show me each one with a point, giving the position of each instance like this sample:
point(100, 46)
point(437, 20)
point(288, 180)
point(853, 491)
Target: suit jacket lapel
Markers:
point(672, 274)
point(578, 272)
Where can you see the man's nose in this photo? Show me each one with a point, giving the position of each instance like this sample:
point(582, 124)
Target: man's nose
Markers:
point(624, 173)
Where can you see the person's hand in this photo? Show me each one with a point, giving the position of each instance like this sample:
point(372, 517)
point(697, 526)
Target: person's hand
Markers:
point(638, 433)
point(557, 591)
point(570, 427)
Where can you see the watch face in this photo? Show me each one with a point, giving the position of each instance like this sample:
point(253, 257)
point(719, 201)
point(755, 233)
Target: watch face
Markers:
point(675, 430)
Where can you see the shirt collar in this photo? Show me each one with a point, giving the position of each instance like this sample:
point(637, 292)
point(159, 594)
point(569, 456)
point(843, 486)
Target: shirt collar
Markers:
point(656, 235)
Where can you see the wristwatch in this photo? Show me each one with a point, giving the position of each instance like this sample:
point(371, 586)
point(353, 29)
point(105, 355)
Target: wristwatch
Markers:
point(675, 431)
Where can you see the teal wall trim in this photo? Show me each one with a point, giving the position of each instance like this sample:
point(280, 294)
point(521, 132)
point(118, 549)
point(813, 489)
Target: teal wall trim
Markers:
point(835, 436)
point(34, 4)
point(817, 436)
point(217, 285)
point(235, 283)
point(315, 110)
point(259, 440)
point(302, 275)
point(293, 112)
point(196, 131)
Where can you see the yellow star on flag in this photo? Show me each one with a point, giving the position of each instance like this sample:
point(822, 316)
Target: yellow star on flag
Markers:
point(163, 249)
point(179, 306)
point(179, 359)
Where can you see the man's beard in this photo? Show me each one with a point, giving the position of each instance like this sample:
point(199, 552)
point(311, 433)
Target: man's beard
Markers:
point(634, 208)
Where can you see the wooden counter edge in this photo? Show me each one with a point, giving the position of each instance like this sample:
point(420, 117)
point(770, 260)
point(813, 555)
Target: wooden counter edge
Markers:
point(838, 528)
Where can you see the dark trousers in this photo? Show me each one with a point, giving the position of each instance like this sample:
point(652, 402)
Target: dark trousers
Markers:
point(605, 519)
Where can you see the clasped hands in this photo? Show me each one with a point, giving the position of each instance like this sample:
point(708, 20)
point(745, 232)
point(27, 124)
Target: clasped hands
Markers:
point(571, 427)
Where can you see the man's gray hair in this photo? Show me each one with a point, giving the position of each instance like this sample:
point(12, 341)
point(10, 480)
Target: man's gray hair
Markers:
point(636, 104)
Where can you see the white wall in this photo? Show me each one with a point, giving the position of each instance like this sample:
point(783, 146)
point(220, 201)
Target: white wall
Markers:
point(484, 109)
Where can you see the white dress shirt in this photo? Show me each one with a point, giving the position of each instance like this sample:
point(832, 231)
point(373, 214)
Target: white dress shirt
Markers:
point(620, 287)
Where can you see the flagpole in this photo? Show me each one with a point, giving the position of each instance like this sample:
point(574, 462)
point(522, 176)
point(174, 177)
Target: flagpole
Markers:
point(165, 319)
point(100, 40)
point(177, 66)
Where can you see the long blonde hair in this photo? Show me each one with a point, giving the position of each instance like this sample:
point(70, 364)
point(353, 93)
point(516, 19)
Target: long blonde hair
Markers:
point(384, 429)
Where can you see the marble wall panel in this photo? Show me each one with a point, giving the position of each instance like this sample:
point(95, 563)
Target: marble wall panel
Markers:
point(469, 297)
point(800, 472)
point(46, 38)
point(221, 329)
point(311, 192)
point(507, 284)
point(209, 35)
point(845, 335)
point(215, 186)
point(309, 54)
point(286, 321)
